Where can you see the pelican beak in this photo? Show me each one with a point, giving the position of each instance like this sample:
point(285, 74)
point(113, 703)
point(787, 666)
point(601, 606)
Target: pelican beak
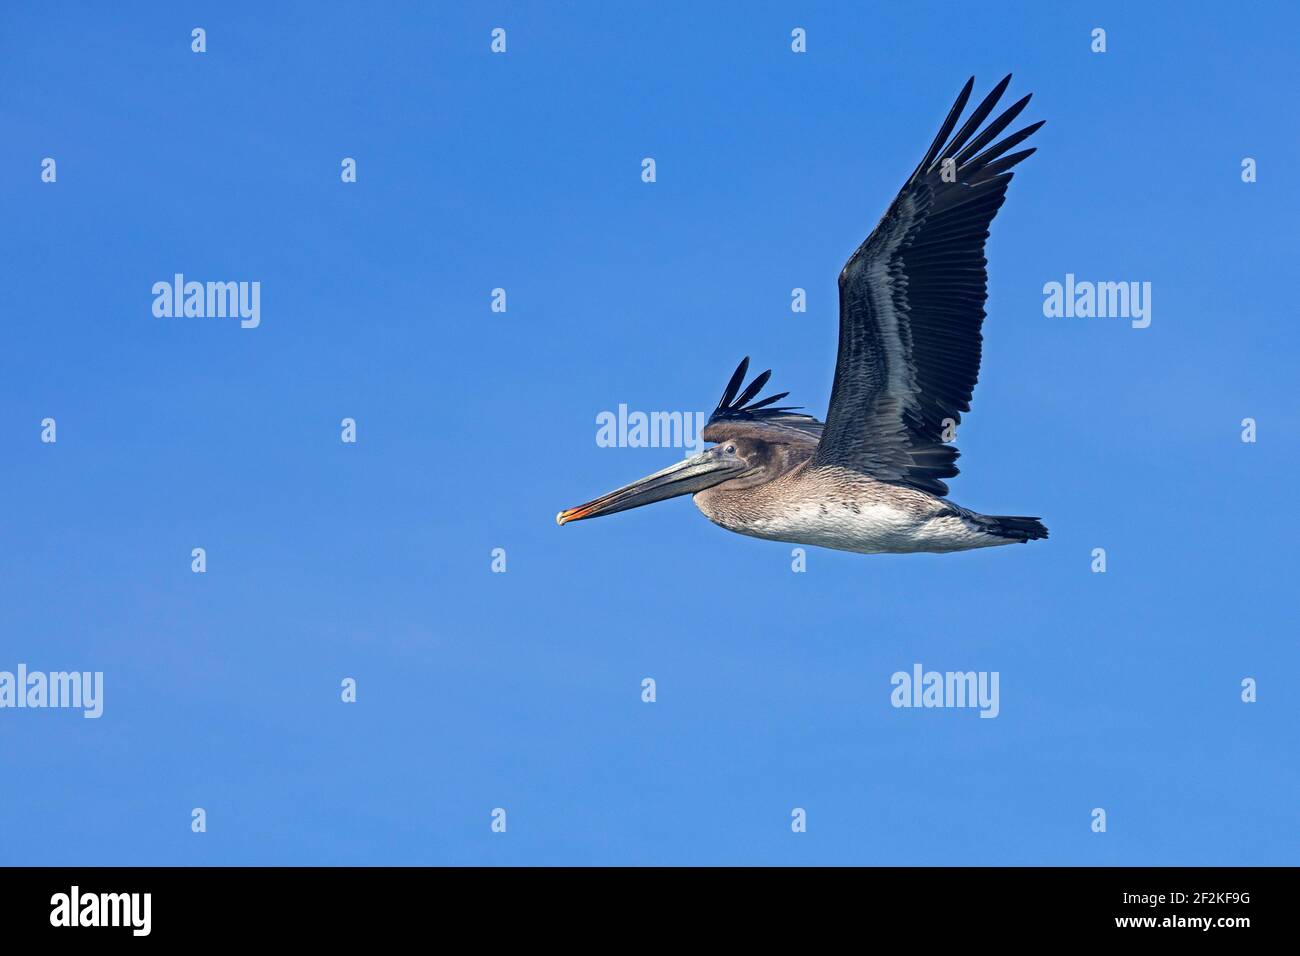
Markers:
point(684, 478)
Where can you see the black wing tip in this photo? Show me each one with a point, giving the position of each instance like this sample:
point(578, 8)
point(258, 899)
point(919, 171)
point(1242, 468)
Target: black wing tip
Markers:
point(753, 388)
point(733, 386)
point(968, 140)
point(736, 404)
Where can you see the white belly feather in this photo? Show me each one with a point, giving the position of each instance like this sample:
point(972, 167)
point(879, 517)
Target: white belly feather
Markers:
point(865, 527)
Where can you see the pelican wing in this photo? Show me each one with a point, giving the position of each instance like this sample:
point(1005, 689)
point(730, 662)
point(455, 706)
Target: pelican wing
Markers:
point(738, 415)
point(912, 303)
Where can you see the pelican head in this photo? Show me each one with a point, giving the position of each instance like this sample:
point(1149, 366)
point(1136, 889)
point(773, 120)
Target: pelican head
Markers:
point(726, 462)
point(755, 443)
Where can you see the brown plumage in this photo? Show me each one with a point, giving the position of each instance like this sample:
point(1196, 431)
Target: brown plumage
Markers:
point(871, 477)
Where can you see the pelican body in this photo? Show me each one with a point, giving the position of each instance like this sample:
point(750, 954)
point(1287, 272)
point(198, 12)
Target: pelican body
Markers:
point(843, 509)
point(870, 477)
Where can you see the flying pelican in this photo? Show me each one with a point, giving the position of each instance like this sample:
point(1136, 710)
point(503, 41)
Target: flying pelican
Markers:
point(870, 478)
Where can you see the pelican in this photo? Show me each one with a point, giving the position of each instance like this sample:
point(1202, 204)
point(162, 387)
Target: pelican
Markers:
point(870, 478)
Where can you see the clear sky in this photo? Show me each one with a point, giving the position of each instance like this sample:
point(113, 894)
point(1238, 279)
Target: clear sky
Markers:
point(523, 690)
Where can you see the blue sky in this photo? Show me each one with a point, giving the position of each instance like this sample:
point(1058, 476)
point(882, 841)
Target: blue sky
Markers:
point(522, 690)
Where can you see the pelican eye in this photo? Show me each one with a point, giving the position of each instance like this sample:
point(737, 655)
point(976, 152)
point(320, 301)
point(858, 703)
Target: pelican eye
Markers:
point(731, 449)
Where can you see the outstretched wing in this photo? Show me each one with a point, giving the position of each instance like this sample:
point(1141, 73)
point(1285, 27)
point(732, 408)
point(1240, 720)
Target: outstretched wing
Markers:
point(912, 303)
point(737, 415)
